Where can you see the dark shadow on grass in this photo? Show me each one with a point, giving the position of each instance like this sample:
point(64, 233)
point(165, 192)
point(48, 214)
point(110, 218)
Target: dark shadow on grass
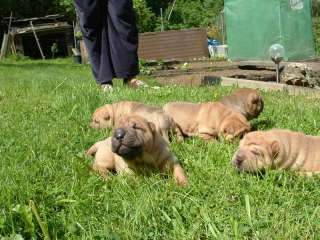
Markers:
point(36, 64)
point(262, 124)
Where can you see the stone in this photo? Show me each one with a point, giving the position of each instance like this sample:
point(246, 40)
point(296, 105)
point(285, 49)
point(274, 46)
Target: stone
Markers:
point(300, 74)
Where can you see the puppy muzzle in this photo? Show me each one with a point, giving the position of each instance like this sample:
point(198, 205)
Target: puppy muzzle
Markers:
point(125, 144)
point(238, 159)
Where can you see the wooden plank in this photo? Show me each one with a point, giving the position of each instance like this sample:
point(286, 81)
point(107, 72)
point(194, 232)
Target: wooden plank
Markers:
point(176, 44)
point(4, 46)
point(84, 53)
point(13, 46)
point(37, 40)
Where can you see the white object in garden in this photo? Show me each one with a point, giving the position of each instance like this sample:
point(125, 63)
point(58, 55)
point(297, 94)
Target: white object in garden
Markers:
point(276, 52)
point(212, 50)
point(296, 4)
point(222, 51)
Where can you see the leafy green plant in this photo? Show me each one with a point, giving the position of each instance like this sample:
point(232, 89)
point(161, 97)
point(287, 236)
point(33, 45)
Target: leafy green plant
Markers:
point(78, 35)
point(54, 49)
point(146, 19)
point(316, 28)
point(184, 66)
point(24, 213)
point(144, 68)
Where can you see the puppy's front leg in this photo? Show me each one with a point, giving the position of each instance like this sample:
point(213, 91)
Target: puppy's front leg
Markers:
point(102, 165)
point(208, 134)
point(102, 171)
point(122, 167)
point(179, 175)
point(104, 157)
point(93, 149)
point(178, 133)
point(173, 165)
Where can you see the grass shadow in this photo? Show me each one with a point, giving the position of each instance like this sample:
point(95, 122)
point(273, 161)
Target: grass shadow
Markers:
point(262, 124)
point(39, 63)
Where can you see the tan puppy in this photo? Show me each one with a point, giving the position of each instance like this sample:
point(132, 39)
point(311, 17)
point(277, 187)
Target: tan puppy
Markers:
point(207, 120)
point(247, 101)
point(135, 147)
point(278, 149)
point(108, 115)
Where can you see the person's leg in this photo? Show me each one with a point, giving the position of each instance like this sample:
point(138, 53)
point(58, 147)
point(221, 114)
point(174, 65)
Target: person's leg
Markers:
point(94, 26)
point(123, 38)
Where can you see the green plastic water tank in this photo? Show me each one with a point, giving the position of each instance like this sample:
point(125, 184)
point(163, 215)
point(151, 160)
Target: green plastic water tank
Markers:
point(254, 25)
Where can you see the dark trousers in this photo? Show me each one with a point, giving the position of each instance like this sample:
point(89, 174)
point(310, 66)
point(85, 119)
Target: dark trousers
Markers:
point(111, 38)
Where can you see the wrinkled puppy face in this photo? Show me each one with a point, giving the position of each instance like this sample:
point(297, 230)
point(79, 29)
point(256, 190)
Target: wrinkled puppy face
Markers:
point(102, 117)
point(235, 126)
point(132, 136)
point(255, 153)
point(254, 105)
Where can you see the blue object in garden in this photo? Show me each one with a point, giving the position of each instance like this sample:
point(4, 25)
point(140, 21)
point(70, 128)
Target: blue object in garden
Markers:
point(212, 46)
point(213, 42)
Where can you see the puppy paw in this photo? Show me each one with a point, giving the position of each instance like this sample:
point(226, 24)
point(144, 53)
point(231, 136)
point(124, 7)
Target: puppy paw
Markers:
point(180, 176)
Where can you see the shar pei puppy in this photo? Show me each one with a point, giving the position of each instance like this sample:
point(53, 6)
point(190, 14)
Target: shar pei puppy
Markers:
point(247, 101)
point(135, 147)
point(109, 114)
point(207, 120)
point(278, 149)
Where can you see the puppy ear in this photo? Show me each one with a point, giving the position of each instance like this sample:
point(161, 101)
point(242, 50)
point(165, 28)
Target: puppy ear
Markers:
point(108, 112)
point(275, 148)
point(253, 98)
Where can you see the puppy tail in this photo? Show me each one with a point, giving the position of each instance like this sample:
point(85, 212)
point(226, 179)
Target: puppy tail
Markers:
point(92, 150)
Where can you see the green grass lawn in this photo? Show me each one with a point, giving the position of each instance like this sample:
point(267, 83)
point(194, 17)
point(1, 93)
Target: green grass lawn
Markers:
point(45, 109)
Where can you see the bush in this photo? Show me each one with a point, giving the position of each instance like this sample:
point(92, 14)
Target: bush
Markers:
point(146, 19)
point(193, 13)
point(316, 28)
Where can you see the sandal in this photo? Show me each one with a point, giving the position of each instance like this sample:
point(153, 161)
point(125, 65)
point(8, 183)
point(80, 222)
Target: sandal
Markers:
point(135, 83)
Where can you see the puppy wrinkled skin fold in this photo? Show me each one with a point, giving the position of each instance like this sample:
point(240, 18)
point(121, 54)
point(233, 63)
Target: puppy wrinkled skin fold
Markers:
point(207, 120)
point(109, 114)
point(136, 148)
point(278, 149)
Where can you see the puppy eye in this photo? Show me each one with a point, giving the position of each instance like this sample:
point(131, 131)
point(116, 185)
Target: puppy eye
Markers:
point(107, 118)
point(255, 152)
point(136, 126)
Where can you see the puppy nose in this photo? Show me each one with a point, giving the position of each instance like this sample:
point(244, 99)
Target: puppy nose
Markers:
point(120, 133)
point(239, 159)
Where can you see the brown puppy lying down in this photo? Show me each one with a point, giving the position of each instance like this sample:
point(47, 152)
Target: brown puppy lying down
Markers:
point(278, 149)
point(247, 101)
point(135, 147)
point(109, 114)
point(207, 120)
